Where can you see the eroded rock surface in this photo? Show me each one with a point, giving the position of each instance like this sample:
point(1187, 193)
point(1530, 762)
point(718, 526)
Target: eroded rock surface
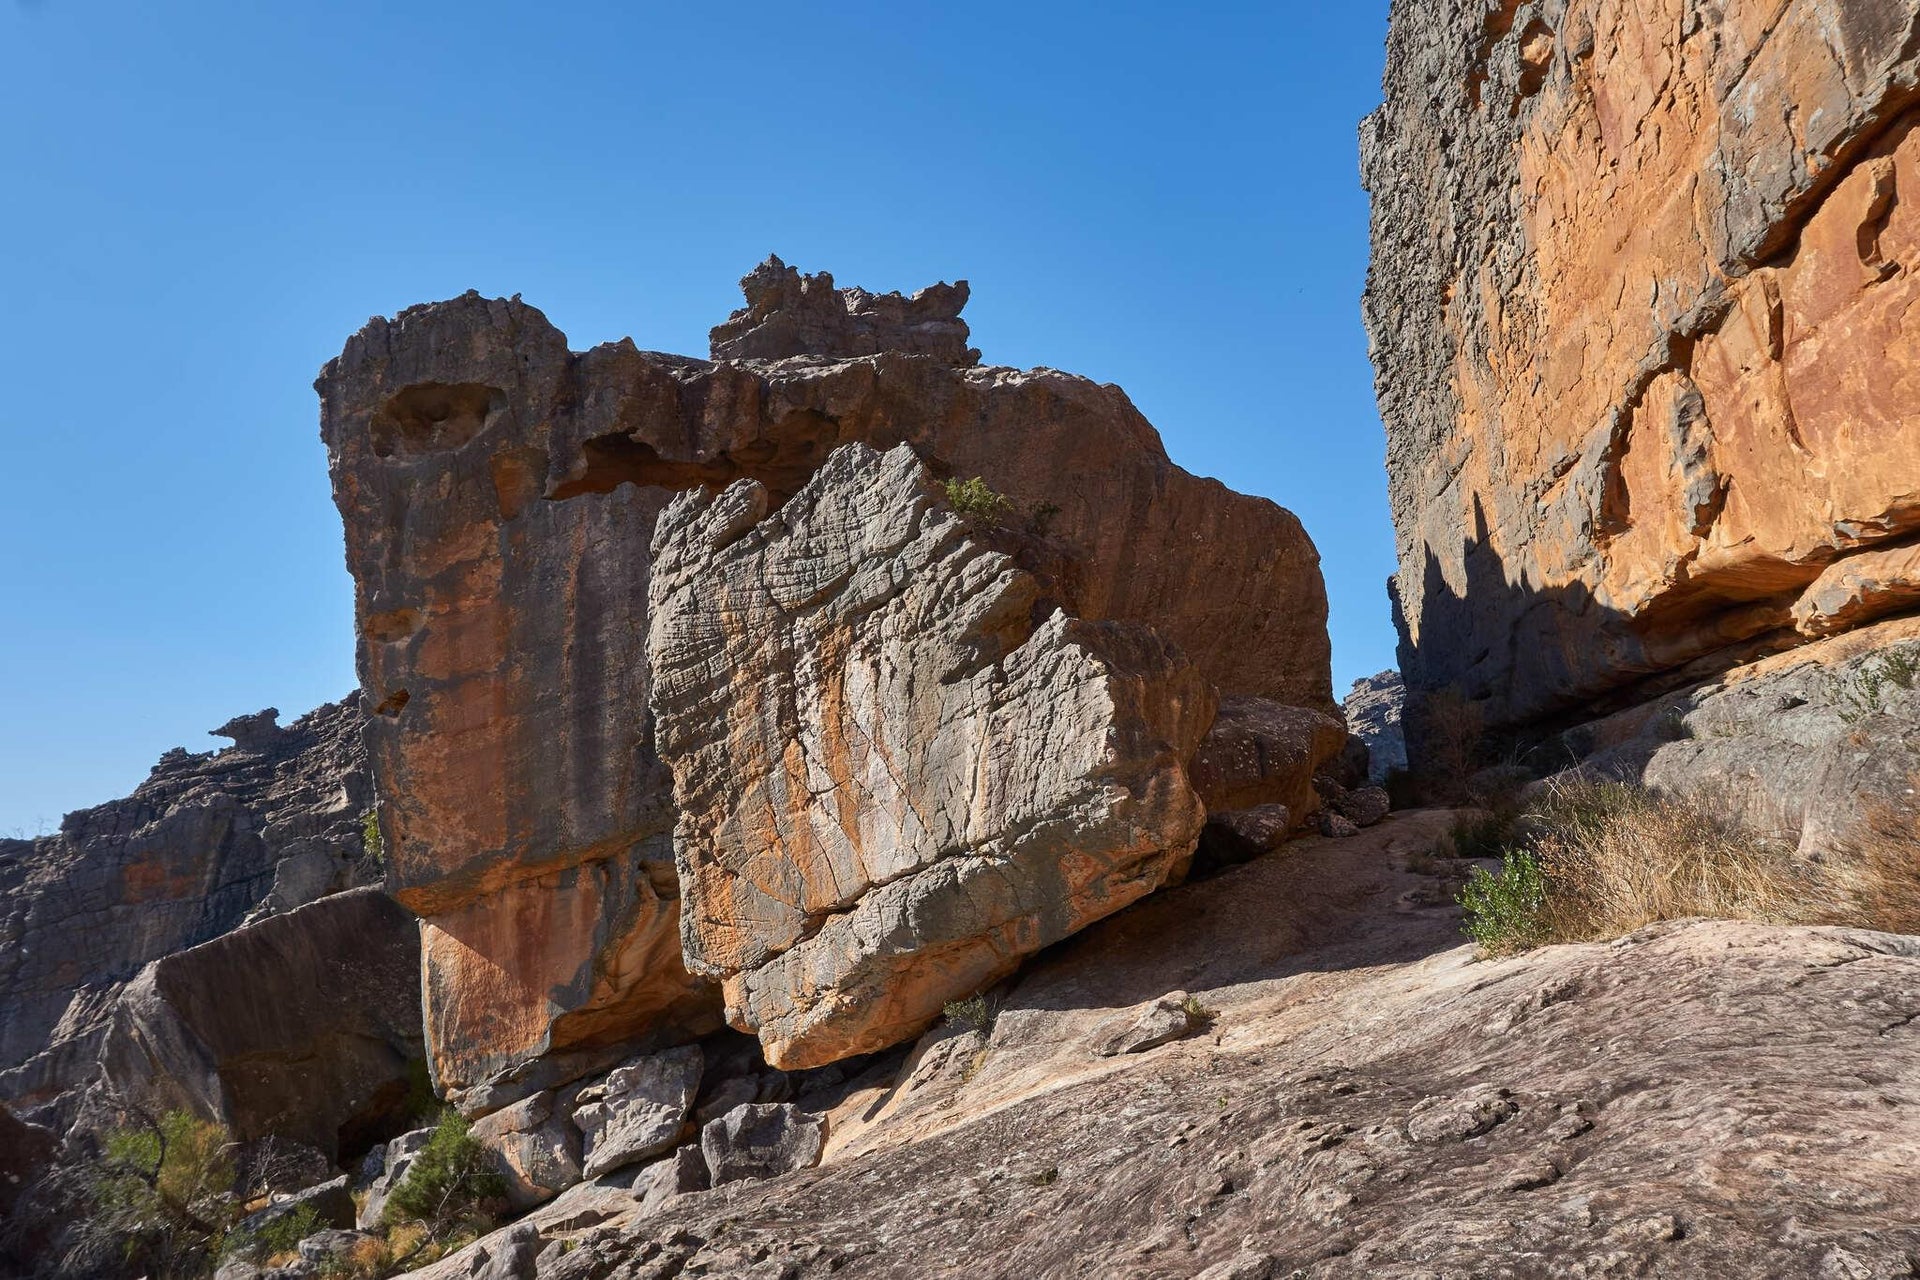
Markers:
point(207, 841)
point(790, 314)
point(499, 494)
point(1373, 709)
point(898, 770)
point(1698, 1100)
point(1643, 308)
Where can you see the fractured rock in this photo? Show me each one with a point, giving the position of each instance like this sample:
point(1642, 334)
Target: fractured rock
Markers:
point(499, 494)
point(1859, 588)
point(1373, 716)
point(1148, 1026)
point(790, 314)
point(638, 1110)
point(897, 771)
point(204, 843)
point(1240, 835)
point(330, 1202)
point(400, 1153)
point(1643, 318)
point(761, 1140)
point(535, 1149)
point(1261, 752)
point(304, 1026)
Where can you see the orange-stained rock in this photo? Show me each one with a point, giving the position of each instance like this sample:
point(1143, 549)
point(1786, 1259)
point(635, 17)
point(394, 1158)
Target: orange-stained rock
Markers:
point(499, 494)
point(900, 769)
point(1645, 322)
point(1860, 588)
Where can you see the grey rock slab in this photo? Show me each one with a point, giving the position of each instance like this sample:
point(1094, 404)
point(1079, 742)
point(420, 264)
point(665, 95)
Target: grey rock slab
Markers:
point(761, 1140)
point(638, 1110)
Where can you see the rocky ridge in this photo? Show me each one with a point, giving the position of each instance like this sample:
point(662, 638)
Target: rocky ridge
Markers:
point(207, 842)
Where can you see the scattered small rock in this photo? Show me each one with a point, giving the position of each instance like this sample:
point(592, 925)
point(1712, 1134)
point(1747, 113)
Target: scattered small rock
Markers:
point(1147, 1026)
point(1461, 1116)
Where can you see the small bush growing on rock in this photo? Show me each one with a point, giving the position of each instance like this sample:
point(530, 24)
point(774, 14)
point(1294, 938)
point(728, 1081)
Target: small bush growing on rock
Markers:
point(371, 842)
point(162, 1198)
point(975, 1013)
point(451, 1186)
point(975, 503)
point(1505, 912)
point(279, 1237)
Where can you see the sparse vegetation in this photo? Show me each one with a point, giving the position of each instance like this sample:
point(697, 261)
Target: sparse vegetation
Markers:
point(162, 1199)
point(1863, 693)
point(450, 1188)
point(975, 1013)
point(975, 503)
point(1452, 732)
point(278, 1238)
point(1199, 1013)
point(371, 843)
point(1040, 519)
point(1599, 861)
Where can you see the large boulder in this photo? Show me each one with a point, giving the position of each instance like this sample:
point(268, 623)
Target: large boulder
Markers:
point(898, 770)
point(499, 495)
point(304, 1026)
point(1644, 327)
point(207, 841)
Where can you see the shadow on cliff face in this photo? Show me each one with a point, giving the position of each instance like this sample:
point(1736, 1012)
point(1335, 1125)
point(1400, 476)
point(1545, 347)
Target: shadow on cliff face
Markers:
point(1520, 662)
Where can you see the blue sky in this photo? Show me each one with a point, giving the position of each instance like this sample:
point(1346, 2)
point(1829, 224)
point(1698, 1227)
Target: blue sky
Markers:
point(203, 201)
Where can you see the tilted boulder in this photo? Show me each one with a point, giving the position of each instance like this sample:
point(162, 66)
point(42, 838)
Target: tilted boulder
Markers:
point(499, 494)
point(755, 1141)
point(304, 1026)
point(207, 841)
point(898, 771)
point(638, 1110)
point(1644, 318)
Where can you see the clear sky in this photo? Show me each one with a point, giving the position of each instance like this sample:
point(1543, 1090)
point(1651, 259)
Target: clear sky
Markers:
point(203, 200)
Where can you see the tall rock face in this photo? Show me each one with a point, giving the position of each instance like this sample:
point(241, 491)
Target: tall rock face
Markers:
point(1643, 312)
point(500, 495)
point(205, 843)
point(899, 771)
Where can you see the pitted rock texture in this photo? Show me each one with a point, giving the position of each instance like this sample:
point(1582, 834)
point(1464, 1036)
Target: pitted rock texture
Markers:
point(207, 841)
point(1700, 1099)
point(303, 1026)
point(499, 494)
point(790, 314)
point(1643, 311)
point(898, 771)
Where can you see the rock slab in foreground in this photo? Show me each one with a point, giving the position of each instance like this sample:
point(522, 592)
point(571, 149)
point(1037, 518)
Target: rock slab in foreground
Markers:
point(894, 782)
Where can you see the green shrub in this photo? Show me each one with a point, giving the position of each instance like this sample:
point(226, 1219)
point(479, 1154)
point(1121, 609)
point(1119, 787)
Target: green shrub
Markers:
point(279, 1236)
point(1504, 911)
point(975, 503)
point(371, 843)
point(162, 1196)
point(451, 1184)
point(975, 1013)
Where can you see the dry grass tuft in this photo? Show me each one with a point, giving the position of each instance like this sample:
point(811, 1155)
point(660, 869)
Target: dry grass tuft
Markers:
point(1604, 860)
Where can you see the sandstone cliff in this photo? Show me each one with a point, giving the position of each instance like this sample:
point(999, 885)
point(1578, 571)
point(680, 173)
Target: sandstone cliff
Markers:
point(500, 495)
point(1642, 304)
point(207, 841)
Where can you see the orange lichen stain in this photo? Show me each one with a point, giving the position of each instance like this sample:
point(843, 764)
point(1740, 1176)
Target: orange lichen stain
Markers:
point(151, 878)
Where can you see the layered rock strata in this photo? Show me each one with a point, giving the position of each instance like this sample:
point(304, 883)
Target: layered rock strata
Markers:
point(898, 772)
point(499, 495)
point(207, 841)
point(1643, 310)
